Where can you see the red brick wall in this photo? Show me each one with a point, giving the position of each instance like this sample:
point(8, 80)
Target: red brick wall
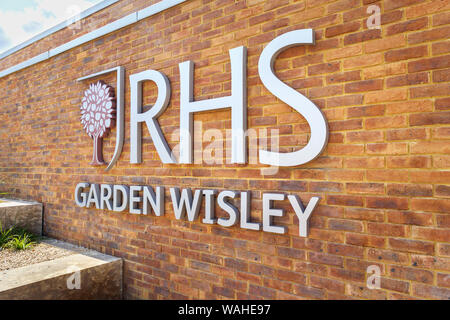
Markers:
point(384, 177)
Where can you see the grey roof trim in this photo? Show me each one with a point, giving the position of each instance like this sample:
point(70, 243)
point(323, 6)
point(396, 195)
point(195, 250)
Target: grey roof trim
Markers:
point(100, 32)
point(86, 13)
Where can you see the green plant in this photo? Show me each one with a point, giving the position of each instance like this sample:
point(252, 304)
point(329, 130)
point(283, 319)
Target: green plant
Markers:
point(5, 235)
point(16, 238)
point(21, 242)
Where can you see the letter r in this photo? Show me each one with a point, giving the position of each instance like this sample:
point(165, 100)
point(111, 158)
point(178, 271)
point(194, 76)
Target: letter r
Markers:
point(149, 116)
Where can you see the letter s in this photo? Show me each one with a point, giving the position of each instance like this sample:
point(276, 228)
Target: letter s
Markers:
point(312, 114)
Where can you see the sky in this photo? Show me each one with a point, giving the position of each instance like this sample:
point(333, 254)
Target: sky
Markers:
point(20, 20)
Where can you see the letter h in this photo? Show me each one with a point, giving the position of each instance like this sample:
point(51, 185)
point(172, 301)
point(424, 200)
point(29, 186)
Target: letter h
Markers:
point(237, 101)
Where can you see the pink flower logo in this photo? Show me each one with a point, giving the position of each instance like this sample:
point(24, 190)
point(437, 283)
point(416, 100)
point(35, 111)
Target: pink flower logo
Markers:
point(98, 108)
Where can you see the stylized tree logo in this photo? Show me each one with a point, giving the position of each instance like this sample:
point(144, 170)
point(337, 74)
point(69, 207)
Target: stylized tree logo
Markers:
point(97, 116)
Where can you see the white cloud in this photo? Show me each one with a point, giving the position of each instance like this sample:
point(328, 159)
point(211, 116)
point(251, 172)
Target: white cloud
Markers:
point(21, 25)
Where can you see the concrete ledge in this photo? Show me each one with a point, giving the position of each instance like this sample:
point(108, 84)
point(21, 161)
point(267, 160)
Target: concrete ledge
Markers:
point(24, 214)
point(99, 275)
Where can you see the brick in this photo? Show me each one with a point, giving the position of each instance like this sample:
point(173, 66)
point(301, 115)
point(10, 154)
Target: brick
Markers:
point(409, 190)
point(387, 203)
point(345, 250)
point(363, 61)
point(387, 148)
point(394, 285)
point(366, 162)
point(431, 292)
point(385, 70)
point(441, 19)
point(442, 191)
point(430, 118)
point(430, 91)
point(431, 176)
point(409, 107)
point(383, 229)
point(407, 80)
point(364, 214)
point(386, 96)
point(409, 25)
point(366, 85)
point(344, 77)
point(405, 54)
point(365, 188)
point(388, 256)
point(442, 104)
point(410, 217)
point(408, 162)
point(325, 21)
point(429, 64)
point(440, 47)
point(443, 221)
point(344, 200)
point(309, 292)
point(345, 225)
point(443, 280)
point(385, 122)
point(406, 134)
point(327, 259)
point(415, 246)
point(364, 240)
point(328, 284)
point(362, 292)
point(394, 42)
point(429, 35)
point(325, 187)
point(262, 291)
point(342, 29)
point(428, 147)
point(362, 36)
point(291, 276)
point(323, 68)
point(431, 205)
point(341, 5)
point(441, 75)
point(412, 274)
point(348, 51)
point(366, 111)
point(426, 8)
point(347, 275)
point(394, 4)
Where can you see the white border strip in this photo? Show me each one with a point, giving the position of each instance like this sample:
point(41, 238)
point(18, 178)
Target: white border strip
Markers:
point(111, 27)
point(60, 26)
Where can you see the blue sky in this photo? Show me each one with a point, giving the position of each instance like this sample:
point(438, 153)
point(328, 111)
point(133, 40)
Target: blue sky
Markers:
point(20, 20)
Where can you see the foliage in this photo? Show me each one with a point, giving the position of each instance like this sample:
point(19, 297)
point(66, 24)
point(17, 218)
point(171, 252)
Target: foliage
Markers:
point(21, 242)
point(5, 235)
point(16, 238)
point(97, 109)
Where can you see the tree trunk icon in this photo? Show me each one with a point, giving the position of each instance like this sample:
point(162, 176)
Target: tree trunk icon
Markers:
point(97, 116)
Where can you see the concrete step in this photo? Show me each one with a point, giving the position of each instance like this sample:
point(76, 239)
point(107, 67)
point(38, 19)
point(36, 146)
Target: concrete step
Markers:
point(25, 214)
point(90, 275)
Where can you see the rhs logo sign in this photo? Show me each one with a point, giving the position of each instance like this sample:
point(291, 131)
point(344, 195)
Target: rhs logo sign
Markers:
point(97, 116)
point(98, 111)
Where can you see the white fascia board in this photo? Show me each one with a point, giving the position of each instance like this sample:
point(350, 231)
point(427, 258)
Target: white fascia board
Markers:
point(111, 27)
point(157, 8)
point(100, 32)
point(60, 26)
point(39, 58)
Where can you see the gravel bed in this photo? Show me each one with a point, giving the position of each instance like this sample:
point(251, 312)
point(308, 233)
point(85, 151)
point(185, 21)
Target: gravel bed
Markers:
point(45, 250)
